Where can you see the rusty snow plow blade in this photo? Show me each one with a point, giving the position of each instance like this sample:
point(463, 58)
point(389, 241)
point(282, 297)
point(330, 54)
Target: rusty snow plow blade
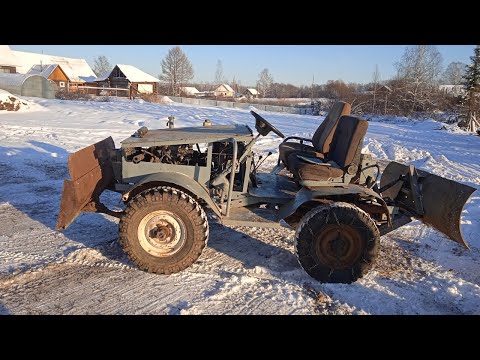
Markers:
point(91, 172)
point(434, 200)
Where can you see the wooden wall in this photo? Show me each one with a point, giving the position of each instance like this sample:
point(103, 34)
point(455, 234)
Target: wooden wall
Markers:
point(8, 69)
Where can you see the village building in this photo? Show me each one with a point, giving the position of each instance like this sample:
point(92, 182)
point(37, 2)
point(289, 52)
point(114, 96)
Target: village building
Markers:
point(251, 93)
point(189, 91)
point(51, 72)
point(224, 90)
point(129, 77)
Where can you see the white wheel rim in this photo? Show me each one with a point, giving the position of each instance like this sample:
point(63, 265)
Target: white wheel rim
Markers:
point(162, 233)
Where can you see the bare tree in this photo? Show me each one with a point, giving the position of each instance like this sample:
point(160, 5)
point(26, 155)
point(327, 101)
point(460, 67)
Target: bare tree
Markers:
point(236, 85)
point(101, 65)
point(219, 78)
point(375, 80)
point(176, 69)
point(264, 83)
point(453, 74)
point(420, 68)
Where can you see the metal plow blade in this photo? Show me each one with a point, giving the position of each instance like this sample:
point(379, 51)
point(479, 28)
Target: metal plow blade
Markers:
point(91, 172)
point(438, 201)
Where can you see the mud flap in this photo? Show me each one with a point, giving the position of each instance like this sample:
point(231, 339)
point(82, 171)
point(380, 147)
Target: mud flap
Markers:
point(437, 202)
point(91, 172)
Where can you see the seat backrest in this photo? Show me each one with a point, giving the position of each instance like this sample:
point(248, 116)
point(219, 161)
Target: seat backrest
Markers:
point(322, 138)
point(347, 141)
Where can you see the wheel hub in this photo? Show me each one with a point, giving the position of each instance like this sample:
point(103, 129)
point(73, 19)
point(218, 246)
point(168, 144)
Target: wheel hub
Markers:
point(161, 233)
point(338, 246)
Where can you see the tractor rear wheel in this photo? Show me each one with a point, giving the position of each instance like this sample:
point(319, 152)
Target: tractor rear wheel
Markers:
point(337, 243)
point(163, 230)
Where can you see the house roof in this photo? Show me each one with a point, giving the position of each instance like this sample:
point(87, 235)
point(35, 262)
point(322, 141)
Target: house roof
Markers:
point(388, 88)
point(6, 56)
point(226, 87)
point(42, 70)
point(134, 74)
point(75, 69)
point(88, 78)
point(189, 90)
point(7, 79)
point(253, 91)
point(103, 76)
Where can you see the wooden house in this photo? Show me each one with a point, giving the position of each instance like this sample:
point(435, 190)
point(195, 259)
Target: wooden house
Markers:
point(224, 90)
point(251, 93)
point(76, 70)
point(129, 77)
point(51, 72)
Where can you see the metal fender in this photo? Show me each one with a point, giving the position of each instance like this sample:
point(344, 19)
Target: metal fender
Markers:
point(176, 180)
point(305, 195)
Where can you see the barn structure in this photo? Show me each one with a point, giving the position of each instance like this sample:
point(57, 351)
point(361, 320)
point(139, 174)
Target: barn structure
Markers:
point(129, 77)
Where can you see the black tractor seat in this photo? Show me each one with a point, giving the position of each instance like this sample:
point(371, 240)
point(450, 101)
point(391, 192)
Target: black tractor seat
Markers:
point(321, 139)
point(343, 157)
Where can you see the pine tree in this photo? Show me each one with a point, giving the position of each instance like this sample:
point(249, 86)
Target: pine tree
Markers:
point(472, 87)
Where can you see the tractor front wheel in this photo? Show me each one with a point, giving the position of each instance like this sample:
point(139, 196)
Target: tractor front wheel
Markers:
point(163, 230)
point(337, 243)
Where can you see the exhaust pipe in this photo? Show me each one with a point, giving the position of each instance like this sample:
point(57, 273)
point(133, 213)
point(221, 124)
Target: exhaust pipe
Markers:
point(434, 200)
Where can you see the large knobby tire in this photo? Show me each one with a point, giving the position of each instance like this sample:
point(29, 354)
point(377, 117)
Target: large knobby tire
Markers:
point(337, 243)
point(163, 230)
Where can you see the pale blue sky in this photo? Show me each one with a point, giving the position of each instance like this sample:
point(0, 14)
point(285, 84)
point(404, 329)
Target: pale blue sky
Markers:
point(293, 64)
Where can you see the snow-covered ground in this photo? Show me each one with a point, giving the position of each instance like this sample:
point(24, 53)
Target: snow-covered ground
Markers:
point(243, 270)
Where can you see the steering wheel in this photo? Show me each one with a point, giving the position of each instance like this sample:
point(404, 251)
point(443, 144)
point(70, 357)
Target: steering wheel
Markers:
point(264, 127)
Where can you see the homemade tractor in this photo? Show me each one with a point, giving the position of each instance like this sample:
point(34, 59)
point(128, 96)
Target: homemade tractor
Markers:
point(327, 190)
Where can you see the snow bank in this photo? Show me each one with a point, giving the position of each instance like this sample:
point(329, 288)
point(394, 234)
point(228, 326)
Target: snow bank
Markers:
point(424, 123)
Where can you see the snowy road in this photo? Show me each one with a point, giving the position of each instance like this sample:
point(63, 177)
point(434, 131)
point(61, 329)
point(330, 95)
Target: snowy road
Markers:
point(243, 270)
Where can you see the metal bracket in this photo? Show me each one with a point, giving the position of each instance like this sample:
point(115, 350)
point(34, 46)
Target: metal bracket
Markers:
point(416, 193)
point(96, 206)
point(390, 184)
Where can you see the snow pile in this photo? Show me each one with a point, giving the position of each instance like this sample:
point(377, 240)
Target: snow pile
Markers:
point(165, 100)
point(427, 123)
point(153, 98)
point(10, 102)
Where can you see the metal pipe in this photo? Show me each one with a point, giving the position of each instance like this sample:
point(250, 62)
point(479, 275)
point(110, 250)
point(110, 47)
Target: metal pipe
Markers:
point(232, 176)
point(219, 178)
point(261, 162)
